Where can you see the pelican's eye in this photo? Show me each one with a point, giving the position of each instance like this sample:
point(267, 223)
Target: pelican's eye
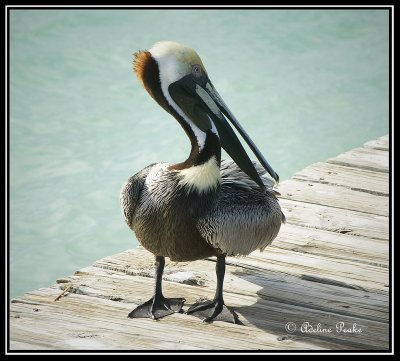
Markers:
point(196, 70)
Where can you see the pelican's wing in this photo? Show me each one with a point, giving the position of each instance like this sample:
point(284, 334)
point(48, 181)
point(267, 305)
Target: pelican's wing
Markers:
point(130, 193)
point(232, 175)
point(245, 217)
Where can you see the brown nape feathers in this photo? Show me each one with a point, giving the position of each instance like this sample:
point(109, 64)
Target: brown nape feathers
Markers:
point(140, 61)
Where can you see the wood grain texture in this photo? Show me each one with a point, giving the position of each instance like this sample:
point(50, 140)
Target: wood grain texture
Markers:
point(364, 158)
point(381, 143)
point(348, 177)
point(335, 196)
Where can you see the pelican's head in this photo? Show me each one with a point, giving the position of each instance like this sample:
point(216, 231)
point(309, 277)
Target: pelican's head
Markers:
point(175, 77)
point(176, 61)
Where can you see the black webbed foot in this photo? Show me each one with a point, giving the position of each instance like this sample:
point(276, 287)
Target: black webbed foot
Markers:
point(213, 311)
point(156, 308)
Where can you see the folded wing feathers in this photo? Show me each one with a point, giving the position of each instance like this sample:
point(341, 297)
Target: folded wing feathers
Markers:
point(231, 174)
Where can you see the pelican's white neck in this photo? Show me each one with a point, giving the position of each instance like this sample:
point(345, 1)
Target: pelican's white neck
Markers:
point(170, 71)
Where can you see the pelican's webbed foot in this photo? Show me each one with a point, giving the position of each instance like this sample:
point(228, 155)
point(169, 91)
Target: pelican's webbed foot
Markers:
point(157, 307)
point(213, 311)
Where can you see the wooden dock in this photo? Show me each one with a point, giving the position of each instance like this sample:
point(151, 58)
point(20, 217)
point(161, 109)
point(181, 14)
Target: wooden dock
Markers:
point(327, 270)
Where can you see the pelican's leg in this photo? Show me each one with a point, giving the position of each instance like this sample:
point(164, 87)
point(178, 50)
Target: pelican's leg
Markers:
point(215, 309)
point(158, 306)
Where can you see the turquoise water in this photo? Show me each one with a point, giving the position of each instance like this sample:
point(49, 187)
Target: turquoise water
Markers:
point(306, 85)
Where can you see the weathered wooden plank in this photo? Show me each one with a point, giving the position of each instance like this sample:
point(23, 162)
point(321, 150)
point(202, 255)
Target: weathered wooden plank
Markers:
point(344, 176)
point(381, 143)
point(273, 261)
point(248, 277)
point(336, 220)
point(334, 196)
point(364, 158)
point(84, 322)
point(343, 272)
point(333, 245)
point(265, 302)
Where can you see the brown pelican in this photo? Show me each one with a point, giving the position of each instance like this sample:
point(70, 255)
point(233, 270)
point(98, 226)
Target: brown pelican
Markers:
point(203, 206)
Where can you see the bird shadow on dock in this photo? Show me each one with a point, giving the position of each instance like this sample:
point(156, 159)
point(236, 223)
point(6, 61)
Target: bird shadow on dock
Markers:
point(314, 311)
point(288, 306)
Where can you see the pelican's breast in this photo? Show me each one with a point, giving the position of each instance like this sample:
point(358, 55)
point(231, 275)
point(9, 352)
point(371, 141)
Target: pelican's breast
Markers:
point(165, 221)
